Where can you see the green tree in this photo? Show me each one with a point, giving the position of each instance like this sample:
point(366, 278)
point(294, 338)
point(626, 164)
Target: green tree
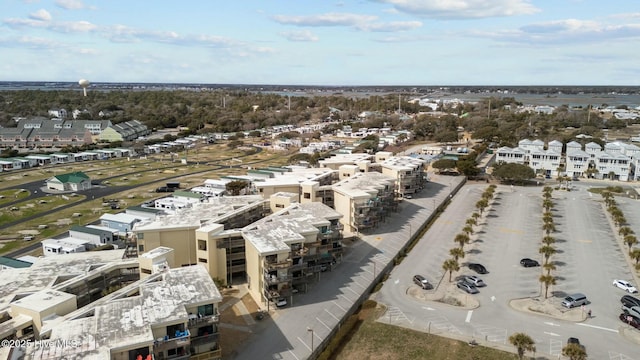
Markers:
point(549, 267)
point(236, 186)
point(547, 280)
point(457, 253)
point(548, 228)
point(462, 239)
point(547, 205)
point(513, 172)
point(547, 251)
point(523, 343)
point(625, 230)
point(472, 221)
point(468, 229)
point(444, 164)
point(467, 167)
point(630, 240)
point(481, 205)
point(635, 255)
point(451, 265)
point(548, 240)
point(574, 352)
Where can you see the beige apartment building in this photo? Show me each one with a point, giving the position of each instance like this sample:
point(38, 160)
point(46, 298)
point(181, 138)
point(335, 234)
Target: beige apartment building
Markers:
point(289, 248)
point(96, 304)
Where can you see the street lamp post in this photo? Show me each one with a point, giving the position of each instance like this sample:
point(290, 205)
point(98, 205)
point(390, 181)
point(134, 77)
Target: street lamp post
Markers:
point(311, 331)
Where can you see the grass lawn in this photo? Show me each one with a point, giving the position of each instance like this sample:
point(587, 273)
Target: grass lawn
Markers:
point(374, 340)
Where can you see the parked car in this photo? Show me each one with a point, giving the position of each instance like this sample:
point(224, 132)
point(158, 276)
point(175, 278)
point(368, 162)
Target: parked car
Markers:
point(574, 300)
point(422, 282)
point(479, 268)
point(281, 302)
point(474, 280)
point(633, 311)
point(626, 286)
point(576, 341)
point(630, 301)
point(469, 288)
point(630, 319)
point(526, 262)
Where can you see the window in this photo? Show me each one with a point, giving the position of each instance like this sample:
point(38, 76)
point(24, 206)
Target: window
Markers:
point(140, 236)
point(141, 248)
point(307, 195)
point(201, 260)
point(145, 271)
point(206, 310)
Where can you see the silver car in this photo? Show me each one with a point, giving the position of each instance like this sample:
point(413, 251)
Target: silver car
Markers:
point(474, 280)
point(466, 287)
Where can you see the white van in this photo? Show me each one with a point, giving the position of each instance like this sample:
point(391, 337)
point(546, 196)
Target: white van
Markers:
point(574, 300)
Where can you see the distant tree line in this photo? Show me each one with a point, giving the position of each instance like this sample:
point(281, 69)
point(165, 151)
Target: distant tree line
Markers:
point(492, 120)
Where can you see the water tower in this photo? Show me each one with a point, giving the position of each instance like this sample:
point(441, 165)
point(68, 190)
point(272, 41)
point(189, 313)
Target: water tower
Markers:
point(84, 84)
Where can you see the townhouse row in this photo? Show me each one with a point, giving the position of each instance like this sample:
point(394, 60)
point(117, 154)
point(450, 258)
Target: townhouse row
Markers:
point(615, 161)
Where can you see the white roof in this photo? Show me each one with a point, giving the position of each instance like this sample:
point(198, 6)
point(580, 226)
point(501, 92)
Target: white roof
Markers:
point(121, 218)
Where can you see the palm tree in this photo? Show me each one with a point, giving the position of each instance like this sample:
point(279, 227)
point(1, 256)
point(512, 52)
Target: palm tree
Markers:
point(547, 251)
point(625, 230)
point(548, 228)
point(548, 240)
point(522, 342)
point(635, 255)
point(630, 240)
point(468, 229)
point(619, 220)
point(615, 211)
point(547, 190)
point(472, 221)
point(481, 205)
point(450, 265)
point(574, 352)
point(549, 267)
point(475, 216)
point(547, 204)
point(547, 217)
point(457, 253)
point(547, 280)
point(462, 239)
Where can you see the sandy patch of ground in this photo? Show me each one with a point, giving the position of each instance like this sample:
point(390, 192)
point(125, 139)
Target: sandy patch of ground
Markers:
point(446, 293)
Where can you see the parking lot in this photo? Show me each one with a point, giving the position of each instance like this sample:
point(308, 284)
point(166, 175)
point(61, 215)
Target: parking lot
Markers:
point(589, 257)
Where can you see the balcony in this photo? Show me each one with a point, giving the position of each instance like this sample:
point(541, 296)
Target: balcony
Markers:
point(273, 279)
point(164, 344)
point(200, 320)
point(274, 264)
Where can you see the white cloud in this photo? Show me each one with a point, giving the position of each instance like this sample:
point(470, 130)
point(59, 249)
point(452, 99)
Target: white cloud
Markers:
point(70, 4)
point(30, 43)
point(330, 19)
point(303, 36)
point(41, 15)
point(73, 27)
point(462, 9)
point(570, 31)
point(390, 26)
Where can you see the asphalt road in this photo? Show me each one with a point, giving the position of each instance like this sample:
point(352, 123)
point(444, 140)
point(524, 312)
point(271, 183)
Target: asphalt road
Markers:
point(589, 258)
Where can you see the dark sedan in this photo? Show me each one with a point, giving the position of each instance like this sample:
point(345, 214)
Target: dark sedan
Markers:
point(526, 262)
point(630, 320)
point(479, 268)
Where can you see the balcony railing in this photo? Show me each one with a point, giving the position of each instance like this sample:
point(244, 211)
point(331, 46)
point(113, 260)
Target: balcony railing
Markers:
point(272, 265)
point(273, 279)
point(167, 343)
point(199, 320)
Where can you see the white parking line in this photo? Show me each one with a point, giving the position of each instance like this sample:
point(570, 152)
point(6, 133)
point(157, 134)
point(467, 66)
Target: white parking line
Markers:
point(555, 347)
point(338, 305)
point(322, 322)
point(598, 327)
point(617, 356)
point(304, 343)
point(333, 316)
point(294, 355)
point(469, 313)
point(353, 291)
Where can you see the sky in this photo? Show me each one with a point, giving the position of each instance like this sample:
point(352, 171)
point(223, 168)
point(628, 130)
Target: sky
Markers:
point(323, 42)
